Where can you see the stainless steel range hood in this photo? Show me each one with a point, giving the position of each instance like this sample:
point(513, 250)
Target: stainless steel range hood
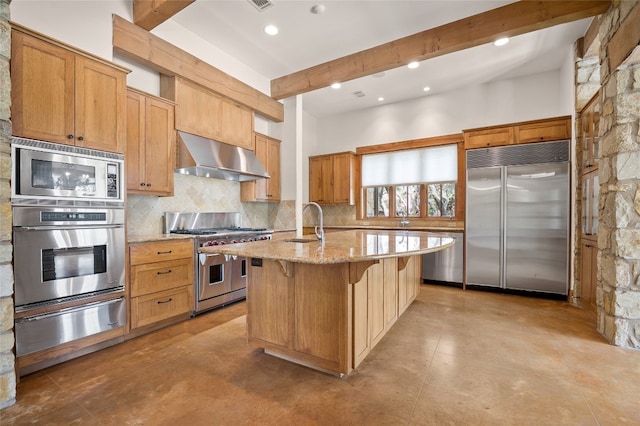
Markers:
point(204, 157)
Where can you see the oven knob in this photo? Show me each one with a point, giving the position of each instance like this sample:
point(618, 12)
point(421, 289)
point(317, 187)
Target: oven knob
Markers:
point(249, 239)
point(232, 242)
point(222, 243)
point(243, 240)
point(213, 243)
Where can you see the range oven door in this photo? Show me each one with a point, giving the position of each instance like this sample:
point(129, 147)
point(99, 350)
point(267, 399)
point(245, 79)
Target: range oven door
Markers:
point(54, 263)
point(214, 277)
point(239, 273)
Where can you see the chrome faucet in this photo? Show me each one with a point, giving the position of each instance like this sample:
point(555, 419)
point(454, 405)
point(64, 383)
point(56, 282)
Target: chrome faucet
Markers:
point(404, 222)
point(319, 233)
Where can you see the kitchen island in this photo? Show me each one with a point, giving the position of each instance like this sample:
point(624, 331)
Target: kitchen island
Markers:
point(326, 304)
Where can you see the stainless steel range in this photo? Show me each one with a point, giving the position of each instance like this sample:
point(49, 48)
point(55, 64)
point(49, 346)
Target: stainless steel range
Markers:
point(220, 279)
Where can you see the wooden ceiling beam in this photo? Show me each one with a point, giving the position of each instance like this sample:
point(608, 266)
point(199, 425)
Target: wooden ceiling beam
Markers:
point(148, 14)
point(139, 45)
point(511, 20)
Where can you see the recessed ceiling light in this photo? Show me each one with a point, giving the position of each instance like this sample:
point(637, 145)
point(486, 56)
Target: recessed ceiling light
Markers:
point(501, 41)
point(271, 29)
point(426, 88)
point(413, 65)
point(380, 99)
point(317, 9)
point(336, 85)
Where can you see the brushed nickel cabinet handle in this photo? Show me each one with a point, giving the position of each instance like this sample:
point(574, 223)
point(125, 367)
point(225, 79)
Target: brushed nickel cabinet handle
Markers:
point(163, 273)
point(165, 301)
point(165, 252)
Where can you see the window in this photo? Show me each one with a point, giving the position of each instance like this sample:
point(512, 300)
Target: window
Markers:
point(414, 183)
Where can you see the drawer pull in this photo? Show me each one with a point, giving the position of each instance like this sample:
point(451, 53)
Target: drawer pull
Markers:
point(163, 273)
point(165, 252)
point(165, 301)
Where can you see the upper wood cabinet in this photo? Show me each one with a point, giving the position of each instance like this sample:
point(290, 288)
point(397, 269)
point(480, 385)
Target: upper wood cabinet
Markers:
point(331, 178)
point(552, 129)
point(151, 144)
point(268, 152)
point(202, 112)
point(66, 96)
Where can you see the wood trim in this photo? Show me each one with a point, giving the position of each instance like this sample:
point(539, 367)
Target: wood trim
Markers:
point(591, 39)
point(148, 14)
point(625, 40)
point(411, 144)
point(511, 20)
point(141, 46)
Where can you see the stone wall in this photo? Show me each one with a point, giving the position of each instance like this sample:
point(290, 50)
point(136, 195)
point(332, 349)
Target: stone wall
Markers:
point(618, 288)
point(7, 360)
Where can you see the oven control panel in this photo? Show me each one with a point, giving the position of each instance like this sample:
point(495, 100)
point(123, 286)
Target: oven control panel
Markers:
point(52, 216)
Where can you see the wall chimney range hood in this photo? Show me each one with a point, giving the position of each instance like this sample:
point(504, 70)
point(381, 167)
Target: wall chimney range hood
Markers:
point(199, 156)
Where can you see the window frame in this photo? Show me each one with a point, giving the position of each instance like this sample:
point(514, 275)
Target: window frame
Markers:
point(361, 207)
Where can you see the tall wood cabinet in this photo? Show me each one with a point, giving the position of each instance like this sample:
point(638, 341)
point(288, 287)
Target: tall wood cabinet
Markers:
point(63, 95)
point(589, 122)
point(331, 178)
point(151, 144)
point(267, 150)
point(202, 112)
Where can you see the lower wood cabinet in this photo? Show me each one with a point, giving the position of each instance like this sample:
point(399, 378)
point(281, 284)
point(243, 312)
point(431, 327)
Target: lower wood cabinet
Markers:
point(161, 282)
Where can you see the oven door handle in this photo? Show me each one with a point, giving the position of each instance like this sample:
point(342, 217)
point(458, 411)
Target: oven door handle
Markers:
point(63, 227)
point(68, 310)
point(203, 257)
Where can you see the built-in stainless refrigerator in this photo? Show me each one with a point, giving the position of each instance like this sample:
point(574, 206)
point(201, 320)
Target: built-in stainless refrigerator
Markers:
point(517, 217)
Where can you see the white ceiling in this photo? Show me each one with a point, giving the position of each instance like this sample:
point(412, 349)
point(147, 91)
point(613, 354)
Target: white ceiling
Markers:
point(346, 27)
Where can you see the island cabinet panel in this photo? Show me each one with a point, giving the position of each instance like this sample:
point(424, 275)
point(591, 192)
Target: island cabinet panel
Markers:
point(320, 316)
point(270, 296)
point(383, 286)
point(62, 95)
point(409, 277)
point(361, 320)
point(161, 278)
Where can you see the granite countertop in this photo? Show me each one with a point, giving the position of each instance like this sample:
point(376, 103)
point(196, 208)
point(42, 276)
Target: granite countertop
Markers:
point(339, 247)
point(157, 237)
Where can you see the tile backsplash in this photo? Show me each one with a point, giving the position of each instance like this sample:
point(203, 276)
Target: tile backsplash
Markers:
point(145, 214)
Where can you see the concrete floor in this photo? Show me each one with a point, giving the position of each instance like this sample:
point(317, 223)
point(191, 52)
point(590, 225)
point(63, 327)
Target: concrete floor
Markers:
point(455, 357)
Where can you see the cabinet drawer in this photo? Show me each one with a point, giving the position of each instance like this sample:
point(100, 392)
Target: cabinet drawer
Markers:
point(156, 307)
point(153, 277)
point(160, 251)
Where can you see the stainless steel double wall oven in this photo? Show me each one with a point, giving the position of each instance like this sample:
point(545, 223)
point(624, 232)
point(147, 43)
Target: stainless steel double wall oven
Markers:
point(69, 244)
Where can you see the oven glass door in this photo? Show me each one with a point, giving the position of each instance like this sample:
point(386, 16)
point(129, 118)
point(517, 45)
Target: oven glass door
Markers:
point(62, 175)
point(239, 271)
point(214, 277)
point(55, 263)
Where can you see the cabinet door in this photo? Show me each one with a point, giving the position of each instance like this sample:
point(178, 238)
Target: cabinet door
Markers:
point(100, 106)
point(343, 178)
point(197, 110)
point(588, 274)
point(160, 145)
point(135, 142)
point(236, 125)
point(488, 137)
point(273, 167)
point(42, 90)
point(262, 152)
point(544, 131)
point(321, 179)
